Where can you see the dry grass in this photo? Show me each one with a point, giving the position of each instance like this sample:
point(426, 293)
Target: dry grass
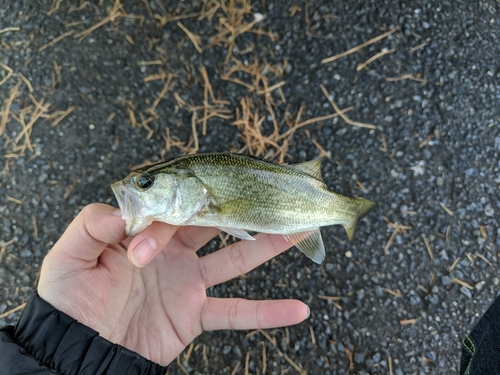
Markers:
point(261, 80)
point(231, 24)
point(341, 114)
point(21, 122)
point(114, 14)
point(397, 228)
point(13, 146)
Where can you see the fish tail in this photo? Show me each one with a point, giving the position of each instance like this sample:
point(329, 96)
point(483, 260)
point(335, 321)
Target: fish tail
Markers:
point(362, 207)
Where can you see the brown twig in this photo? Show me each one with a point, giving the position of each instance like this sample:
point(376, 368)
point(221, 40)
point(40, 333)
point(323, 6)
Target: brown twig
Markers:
point(12, 311)
point(54, 7)
point(294, 365)
point(341, 114)
point(162, 93)
point(195, 39)
point(7, 29)
point(10, 72)
point(405, 322)
point(461, 282)
point(13, 93)
point(60, 37)
point(417, 47)
point(361, 46)
point(61, 115)
point(448, 211)
point(429, 250)
point(406, 76)
point(375, 57)
point(26, 81)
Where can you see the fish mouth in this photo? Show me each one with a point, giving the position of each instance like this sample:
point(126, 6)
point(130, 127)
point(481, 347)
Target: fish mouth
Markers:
point(129, 204)
point(131, 209)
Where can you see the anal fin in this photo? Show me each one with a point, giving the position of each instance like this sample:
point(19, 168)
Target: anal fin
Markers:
point(310, 243)
point(238, 233)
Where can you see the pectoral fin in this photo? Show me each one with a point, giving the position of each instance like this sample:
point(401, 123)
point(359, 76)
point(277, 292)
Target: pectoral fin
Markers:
point(310, 243)
point(238, 233)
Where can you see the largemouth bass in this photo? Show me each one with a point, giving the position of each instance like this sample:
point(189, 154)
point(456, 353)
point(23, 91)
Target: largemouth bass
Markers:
point(238, 193)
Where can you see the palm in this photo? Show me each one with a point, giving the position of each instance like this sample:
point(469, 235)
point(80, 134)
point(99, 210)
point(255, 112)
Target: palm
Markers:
point(169, 306)
point(159, 309)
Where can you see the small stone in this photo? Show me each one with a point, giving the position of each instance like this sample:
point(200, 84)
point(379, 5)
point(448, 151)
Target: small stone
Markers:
point(47, 81)
point(359, 358)
point(465, 291)
point(237, 351)
point(446, 280)
point(479, 286)
point(42, 177)
point(26, 253)
point(488, 210)
point(341, 132)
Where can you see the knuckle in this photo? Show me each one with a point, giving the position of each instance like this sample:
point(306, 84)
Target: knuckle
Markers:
point(202, 269)
point(89, 211)
point(258, 315)
point(237, 257)
point(233, 315)
point(274, 247)
point(186, 241)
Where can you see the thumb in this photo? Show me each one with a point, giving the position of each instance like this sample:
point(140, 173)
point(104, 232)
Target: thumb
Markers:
point(96, 226)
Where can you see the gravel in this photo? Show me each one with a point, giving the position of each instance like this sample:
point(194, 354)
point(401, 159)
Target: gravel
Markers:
point(432, 166)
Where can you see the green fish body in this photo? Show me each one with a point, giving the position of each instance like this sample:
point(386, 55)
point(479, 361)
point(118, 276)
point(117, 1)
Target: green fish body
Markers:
point(237, 193)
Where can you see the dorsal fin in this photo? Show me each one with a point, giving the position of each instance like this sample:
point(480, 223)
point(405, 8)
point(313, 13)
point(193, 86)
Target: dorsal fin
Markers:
point(311, 168)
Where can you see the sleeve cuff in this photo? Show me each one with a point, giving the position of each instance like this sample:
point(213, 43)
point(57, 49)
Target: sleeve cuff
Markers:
point(67, 346)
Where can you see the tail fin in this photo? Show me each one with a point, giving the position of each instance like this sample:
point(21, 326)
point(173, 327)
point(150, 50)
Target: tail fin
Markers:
point(363, 206)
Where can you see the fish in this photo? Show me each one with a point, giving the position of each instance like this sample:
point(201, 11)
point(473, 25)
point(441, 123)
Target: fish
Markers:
point(239, 193)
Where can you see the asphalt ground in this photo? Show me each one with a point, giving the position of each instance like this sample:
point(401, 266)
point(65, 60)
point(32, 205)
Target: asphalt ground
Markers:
point(423, 266)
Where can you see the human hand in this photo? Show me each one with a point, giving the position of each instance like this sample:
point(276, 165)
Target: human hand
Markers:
point(156, 309)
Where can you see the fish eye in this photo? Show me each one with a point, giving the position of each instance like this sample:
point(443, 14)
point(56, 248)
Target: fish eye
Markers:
point(145, 180)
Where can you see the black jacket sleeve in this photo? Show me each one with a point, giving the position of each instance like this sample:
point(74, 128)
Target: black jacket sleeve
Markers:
point(48, 341)
point(481, 348)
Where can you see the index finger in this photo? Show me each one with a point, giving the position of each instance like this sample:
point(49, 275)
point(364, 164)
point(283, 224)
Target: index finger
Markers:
point(241, 257)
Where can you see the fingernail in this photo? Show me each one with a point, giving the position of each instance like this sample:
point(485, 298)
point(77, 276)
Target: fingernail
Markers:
point(117, 212)
point(308, 312)
point(144, 252)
